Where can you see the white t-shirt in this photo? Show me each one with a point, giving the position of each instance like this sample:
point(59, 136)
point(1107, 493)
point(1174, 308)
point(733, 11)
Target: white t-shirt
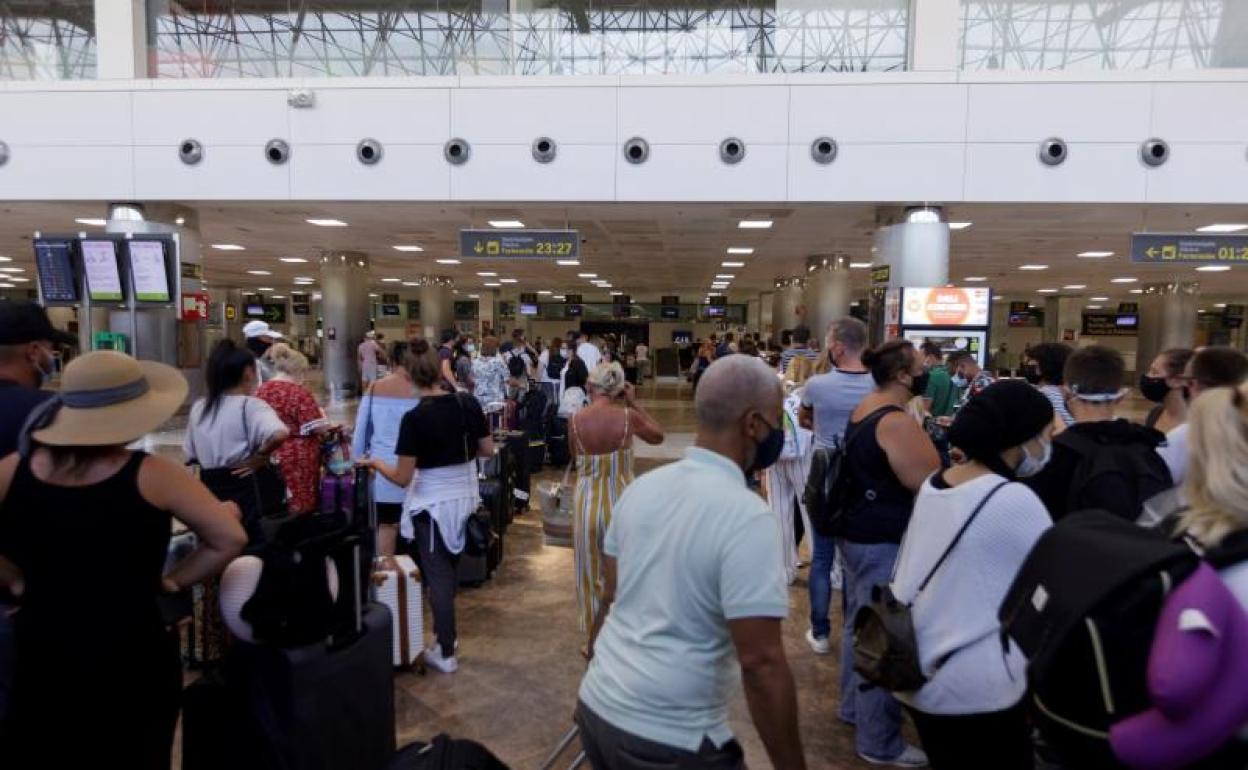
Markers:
point(1174, 452)
point(571, 401)
point(955, 618)
point(221, 441)
point(590, 354)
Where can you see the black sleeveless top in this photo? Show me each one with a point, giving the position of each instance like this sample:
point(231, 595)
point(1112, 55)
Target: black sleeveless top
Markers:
point(881, 504)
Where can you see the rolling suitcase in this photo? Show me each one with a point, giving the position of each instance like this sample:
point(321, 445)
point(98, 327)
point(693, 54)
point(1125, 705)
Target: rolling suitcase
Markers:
point(397, 586)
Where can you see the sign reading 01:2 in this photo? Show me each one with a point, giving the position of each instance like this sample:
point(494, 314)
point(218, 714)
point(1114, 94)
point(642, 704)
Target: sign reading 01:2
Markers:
point(519, 244)
point(1188, 248)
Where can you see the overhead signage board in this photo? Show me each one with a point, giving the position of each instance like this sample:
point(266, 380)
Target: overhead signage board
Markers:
point(946, 306)
point(272, 312)
point(1233, 311)
point(99, 264)
point(1188, 248)
point(54, 264)
point(1128, 307)
point(301, 308)
point(413, 308)
point(519, 244)
point(881, 274)
point(1020, 307)
point(390, 299)
point(572, 299)
point(1109, 325)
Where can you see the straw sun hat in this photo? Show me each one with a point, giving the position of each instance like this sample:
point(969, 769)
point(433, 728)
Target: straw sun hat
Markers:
point(108, 398)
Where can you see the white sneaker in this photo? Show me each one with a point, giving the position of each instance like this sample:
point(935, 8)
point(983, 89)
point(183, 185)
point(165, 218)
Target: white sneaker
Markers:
point(435, 660)
point(819, 644)
point(911, 756)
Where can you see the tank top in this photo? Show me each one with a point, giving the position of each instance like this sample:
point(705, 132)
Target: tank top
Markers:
point(92, 557)
point(881, 504)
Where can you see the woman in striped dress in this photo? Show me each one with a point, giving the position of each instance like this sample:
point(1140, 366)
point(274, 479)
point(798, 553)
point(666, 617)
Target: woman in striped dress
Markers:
point(602, 435)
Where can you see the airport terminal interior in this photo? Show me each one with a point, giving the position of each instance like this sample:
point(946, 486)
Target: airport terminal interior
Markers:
point(678, 183)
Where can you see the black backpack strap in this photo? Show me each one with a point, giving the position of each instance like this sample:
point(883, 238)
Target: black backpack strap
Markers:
point(956, 539)
point(1231, 551)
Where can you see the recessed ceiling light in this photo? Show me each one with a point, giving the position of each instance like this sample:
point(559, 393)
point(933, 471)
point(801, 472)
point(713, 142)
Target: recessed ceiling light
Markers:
point(732, 264)
point(179, 221)
point(1076, 286)
point(92, 221)
point(492, 283)
point(741, 250)
point(227, 247)
point(447, 261)
point(1220, 304)
point(474, 296)
point(408, 247)
point(1213, 268)
point(411, 283)
point(1227, 228)
point(279, 296)
point(260, 272)
point(506, 223)
point(6, 259)
point(616, 293)
point(1095, 254)
point(567, 262)
point(959, 225)
point(12, 269)
point(586, 275)
point(1033, 267)
point(975, 278)
point(1137, 291)
point(372, 295)
point(605, 286)
point(507, 280)
point(265, 288)
point(558, 296)
point(304, 278)
point(294, 260)
point(1123, 280)
point(1046, 291)
point(487, 273)
point(326, 222)
point(17, 279)
point(545, 292)
point(1100, 299)
point(859, 265)
point(7, 286)
point(754, 224)
point(727, 276)
point(391, 280)
point(998, 298)
point(1201, 311)
point(1093, 307)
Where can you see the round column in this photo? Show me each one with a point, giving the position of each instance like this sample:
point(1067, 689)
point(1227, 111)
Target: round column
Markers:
point(344, 310)
point(1063, 315)
point(827, 293)
point(915, 248)
point(1167, 320)
point(787, 308)
point(436, 306)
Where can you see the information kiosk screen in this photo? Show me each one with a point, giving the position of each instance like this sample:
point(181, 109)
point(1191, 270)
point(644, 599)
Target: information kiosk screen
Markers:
point(150, 269)
point(54, 264)
point(99, 264)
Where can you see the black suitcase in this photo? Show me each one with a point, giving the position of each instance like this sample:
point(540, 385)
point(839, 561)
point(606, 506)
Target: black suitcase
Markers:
point(557, 452)
point(317, 707)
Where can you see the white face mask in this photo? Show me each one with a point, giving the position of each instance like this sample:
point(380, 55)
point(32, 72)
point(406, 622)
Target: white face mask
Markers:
point(1030, 466)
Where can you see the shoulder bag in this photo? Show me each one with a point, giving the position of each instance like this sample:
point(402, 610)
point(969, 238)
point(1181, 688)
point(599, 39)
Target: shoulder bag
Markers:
point(479, 533)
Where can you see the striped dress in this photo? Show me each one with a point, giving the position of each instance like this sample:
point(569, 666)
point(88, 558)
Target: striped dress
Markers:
point(600, 480)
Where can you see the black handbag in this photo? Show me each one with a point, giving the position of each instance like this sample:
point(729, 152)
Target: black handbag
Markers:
point(886, 652)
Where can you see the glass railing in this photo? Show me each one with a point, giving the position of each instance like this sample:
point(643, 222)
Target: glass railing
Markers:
point(1104, 34)
point(47, 39)
point(379, 38)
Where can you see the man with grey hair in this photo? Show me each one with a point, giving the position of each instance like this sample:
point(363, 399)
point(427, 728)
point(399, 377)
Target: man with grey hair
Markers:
point(692, 577)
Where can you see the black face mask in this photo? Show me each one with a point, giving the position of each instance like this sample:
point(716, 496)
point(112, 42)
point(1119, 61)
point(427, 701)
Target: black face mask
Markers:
point(1032, 374)
point(1154, 389)
point(918, 385)
point(768, 450)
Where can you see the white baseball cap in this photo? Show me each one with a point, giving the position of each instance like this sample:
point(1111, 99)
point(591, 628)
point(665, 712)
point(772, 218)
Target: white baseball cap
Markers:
point(253, 329)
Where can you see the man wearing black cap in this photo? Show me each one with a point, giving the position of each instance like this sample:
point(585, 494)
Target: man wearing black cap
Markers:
point(27, 340)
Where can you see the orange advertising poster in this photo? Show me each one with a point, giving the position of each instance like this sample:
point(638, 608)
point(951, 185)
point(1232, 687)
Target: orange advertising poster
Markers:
point(946, 306)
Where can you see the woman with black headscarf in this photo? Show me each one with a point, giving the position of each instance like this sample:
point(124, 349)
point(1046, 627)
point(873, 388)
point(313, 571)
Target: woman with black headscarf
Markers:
point(971, 712)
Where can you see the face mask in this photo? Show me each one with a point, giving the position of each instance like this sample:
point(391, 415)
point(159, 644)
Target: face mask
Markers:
point(958, 380)
point(768, 450)
point(1154, 388)
point(44, 374)
point(1030, 466)
point(918, 385)
point(1032, 374)
point(470, 347)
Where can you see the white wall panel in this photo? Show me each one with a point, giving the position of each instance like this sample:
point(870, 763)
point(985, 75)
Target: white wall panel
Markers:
point(1201, 112)
point(406, 172)
point(692, 115)
point(499, 172)
point(213, 117)
point(1092, 172)
point(227, 172)
point(688, 172)
point(567, 115)
point(878, 172)
point(73, 117)
point(879, 113)
point(388, 115)
point(68, 173)
point(1076, 112)
point(1212, 173)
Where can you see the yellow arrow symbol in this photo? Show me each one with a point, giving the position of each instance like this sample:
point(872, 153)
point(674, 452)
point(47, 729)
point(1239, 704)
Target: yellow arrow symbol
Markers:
point(478, 248)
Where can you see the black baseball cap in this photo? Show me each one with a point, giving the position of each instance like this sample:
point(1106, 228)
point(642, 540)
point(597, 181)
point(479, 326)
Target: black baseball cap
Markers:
point(22, 322)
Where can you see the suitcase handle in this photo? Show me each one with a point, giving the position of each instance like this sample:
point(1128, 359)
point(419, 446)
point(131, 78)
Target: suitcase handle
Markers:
point(564, 742)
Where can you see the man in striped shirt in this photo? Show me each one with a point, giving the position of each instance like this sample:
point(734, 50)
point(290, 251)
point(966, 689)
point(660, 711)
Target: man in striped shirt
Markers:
point(801, 347)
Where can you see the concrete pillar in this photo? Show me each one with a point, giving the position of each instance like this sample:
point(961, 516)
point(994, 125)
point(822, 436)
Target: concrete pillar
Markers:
point(437, 308)
point(1167, 319)
point(753, 314)
point(486, 302)
point(826, 294)
point(788, 308)
point(915, 248)
point(234, 328)
point(999, 326)
point(766, 313)
point(1063, 315)
point(345, 308)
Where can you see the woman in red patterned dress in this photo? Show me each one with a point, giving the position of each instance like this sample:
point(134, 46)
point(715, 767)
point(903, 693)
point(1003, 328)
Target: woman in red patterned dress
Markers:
point(300, 457)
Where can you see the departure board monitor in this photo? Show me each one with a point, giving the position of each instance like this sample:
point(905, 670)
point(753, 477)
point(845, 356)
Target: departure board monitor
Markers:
point(54, 264)
point(99, 265)
point(149, 266)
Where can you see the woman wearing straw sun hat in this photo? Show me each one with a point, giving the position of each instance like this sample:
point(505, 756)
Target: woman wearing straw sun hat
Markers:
point(84, 529)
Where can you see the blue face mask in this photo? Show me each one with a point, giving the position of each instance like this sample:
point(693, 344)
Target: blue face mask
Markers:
point(958, 381)
point(1030, 466)
point(769, 449)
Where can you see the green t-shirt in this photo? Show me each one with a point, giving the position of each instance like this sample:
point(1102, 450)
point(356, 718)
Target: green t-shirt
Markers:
point(942, 393)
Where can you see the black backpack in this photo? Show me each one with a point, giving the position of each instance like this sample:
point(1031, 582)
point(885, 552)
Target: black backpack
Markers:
point(830, 487)
point(446, 753)
point(1137, 463)
point(554, 367)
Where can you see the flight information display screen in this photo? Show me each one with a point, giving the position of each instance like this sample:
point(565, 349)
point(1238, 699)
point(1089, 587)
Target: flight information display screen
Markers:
point(54, 264)
point(99, 264)
point(150, 271)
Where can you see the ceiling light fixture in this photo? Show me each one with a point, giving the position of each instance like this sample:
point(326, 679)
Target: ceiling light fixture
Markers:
point(12, 269)
point(732, 264)
point(747, 250)
point(567, 262)
point(277, 296)
point(507, 280)
point(1219, 304)
point(265, 288)
point(6, 259)
point(326, 222)
point(1226, 228)
point(260, 272)
point(1137, 291)
point(1046, 291)
point(586, 275)
point(17, 279)
point(1094, 254)
point(1033, 267)
point(228, 247)
point(1093, 307)
point(1213, 268)
point(474, 296)
point(755, 224)
point(1123, 280)
point(504, 224)
point(975, 278)
point(411, 283)
point(94, 222)
point(959, 225)
point(391, 280)
point(544, 291)
point(726, 276)
point(616, 293)
point(294, 260)
point(1076, 286)
point(492, 283)
point(486, 273)
point(447, 261)
point(408, 247)
point(859, 265)
point(1100, 299)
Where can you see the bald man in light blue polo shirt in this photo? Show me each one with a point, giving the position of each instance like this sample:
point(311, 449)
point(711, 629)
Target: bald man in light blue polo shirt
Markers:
point(695, 588)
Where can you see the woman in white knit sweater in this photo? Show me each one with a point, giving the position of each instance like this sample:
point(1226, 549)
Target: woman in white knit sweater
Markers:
point(971, 712)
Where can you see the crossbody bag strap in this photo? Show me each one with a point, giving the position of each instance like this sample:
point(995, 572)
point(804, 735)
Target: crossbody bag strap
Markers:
point(957, 538)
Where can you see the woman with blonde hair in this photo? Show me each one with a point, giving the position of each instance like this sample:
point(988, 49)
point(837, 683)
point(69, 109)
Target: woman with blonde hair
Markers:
point(786, 478)
point(1217, 479)
point(602, 434)
point(802, 369)
point(300, 457)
